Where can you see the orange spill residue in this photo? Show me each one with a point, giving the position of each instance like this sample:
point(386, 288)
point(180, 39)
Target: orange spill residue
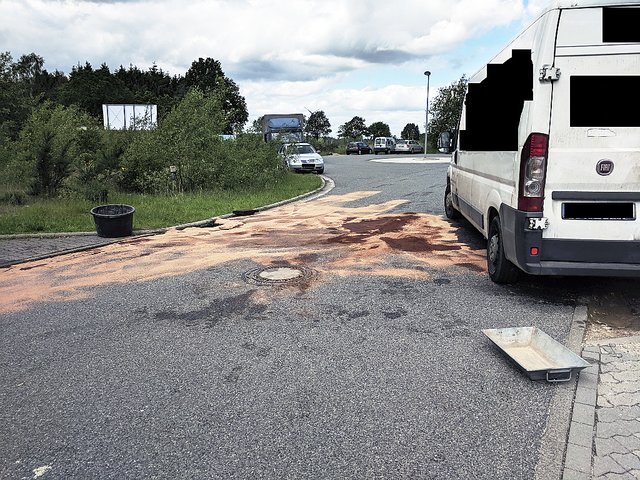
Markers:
point(336, 238)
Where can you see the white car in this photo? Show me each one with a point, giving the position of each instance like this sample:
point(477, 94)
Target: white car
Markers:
point(301, 157)
point(408, 146)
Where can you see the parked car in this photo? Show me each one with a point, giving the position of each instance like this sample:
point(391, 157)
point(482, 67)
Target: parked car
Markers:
point(301, 157)
point(408, 146)
point(358, 147)
point(384, 144)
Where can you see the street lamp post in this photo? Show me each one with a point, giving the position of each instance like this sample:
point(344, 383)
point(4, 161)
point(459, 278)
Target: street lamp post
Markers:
point(426, 125)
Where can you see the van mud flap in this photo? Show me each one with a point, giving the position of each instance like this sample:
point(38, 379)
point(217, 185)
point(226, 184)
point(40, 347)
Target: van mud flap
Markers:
point(517, 240)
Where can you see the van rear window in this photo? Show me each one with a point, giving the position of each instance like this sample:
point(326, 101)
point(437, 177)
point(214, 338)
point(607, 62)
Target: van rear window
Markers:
point(620, 24)
point(605, 101)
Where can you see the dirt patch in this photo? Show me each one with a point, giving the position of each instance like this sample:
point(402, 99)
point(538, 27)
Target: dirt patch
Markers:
point(612, 319)
point(380, 225)
point(416, 244)
point(324, 232)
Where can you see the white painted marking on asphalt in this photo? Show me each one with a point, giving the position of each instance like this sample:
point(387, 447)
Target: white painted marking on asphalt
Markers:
point(412, 160)
point(40, 471)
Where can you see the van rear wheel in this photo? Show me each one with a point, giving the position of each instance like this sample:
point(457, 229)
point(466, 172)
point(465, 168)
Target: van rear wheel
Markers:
point(500, 269)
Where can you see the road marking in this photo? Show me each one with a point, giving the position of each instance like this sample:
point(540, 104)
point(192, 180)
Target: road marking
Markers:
point(40, 471)
point(412, 160)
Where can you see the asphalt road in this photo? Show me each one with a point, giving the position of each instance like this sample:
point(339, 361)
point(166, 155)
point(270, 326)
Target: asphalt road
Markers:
point(170, 357)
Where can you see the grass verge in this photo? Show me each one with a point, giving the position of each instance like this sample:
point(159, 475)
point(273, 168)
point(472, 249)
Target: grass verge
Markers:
point(152, 211)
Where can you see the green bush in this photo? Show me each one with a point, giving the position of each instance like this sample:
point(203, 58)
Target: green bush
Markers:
point(63, 152)
point(327, 146)
point(14, 197)
point(52, 137)
point(247, 163)
point(183, 139)
point(189, 139)
point(11, 177)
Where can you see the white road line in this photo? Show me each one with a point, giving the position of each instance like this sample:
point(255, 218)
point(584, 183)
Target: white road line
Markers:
point(412, 160)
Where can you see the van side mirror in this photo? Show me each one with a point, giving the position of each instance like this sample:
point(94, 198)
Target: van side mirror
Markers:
point(445, 142)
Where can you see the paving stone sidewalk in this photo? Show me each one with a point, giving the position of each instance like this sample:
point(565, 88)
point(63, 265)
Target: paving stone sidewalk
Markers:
point(604, 438)
point(16, 249)
point(617, 434)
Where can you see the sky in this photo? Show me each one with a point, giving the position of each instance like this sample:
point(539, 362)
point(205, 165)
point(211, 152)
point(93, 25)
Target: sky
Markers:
point(346, 58)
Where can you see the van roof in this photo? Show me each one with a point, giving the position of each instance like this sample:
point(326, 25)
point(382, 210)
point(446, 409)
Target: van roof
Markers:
point(589, 3)
point(567, 4)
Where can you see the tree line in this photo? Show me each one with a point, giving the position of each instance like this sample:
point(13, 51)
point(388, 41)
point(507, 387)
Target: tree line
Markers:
point(52, 142)
point(25, 83)
point(444, 113)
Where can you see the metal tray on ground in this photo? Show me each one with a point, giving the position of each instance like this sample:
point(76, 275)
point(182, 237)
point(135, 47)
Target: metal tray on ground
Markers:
point(535, 352)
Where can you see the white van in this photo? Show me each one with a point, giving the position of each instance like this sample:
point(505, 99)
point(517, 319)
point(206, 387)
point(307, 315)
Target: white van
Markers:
point(384, 144)
point(546, 162)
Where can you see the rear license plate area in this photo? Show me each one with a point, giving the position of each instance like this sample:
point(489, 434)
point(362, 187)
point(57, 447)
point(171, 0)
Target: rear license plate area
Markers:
point(599, 211)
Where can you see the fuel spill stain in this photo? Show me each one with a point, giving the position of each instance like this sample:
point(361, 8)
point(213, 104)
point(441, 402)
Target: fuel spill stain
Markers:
point(336, 238)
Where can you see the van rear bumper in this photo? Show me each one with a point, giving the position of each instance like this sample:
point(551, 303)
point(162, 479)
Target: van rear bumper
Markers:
point(583, 269)
point(615, 258)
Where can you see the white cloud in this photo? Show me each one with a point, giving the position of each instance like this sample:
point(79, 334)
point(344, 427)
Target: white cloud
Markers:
point(282, 54)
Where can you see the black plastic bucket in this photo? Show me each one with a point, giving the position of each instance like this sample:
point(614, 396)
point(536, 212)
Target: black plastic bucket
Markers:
point(113, 220)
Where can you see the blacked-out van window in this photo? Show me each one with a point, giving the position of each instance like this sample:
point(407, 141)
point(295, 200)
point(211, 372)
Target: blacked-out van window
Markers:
point(605, 101)
point(620, 24)
point(493, 106)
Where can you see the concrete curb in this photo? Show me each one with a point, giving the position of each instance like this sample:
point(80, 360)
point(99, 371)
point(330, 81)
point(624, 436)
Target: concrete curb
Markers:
point(579, 453)
point(327, 185)
point(553, 445)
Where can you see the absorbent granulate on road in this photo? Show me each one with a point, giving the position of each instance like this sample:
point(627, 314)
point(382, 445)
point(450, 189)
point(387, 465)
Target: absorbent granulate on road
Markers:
point(354, 240)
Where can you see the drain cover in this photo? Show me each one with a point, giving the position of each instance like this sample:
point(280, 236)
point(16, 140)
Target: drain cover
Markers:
point(277, 275)
point(281, 274)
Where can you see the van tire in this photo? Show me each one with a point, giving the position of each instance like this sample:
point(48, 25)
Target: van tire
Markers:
point(449, 210)
point(500, 269)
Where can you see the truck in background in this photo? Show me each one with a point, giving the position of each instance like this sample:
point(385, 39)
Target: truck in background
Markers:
point(283, 127)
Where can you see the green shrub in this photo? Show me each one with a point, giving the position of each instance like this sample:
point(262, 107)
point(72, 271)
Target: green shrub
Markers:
point(247, 163)
point(189, 139)
point(51, 138)
point(13, 197)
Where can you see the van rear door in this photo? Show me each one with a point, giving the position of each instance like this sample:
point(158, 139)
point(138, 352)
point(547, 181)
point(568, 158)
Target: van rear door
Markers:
point(592, 189)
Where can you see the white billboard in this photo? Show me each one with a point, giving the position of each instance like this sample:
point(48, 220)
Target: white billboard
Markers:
point(130, 116)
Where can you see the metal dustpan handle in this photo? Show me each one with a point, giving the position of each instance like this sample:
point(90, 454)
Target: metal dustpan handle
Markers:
point(559, 372)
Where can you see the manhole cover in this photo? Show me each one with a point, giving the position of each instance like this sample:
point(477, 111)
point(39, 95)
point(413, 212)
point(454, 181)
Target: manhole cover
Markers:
point(281, 274)
point(277, 275)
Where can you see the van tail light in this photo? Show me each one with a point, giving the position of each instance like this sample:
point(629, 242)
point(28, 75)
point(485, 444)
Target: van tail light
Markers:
point(533, 172)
